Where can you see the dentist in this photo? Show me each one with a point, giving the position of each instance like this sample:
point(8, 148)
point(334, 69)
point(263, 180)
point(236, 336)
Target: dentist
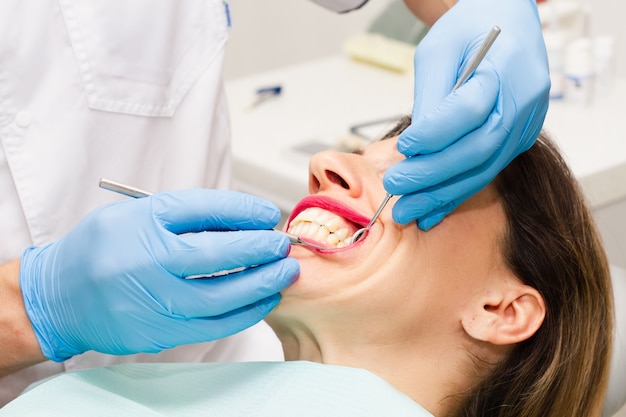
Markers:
point(133, 91)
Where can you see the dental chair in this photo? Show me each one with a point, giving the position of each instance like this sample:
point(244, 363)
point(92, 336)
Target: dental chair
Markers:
point(616, 395)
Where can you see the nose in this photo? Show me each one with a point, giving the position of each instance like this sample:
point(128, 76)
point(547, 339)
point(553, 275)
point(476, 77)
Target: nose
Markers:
point(332, 170)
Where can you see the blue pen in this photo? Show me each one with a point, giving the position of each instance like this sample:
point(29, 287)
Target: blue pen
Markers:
point(265, 93)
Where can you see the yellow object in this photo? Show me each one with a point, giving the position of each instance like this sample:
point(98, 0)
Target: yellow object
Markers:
point(381, 51)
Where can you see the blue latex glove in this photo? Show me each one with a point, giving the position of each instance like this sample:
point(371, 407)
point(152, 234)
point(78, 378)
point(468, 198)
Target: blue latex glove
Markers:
point(459, 141)
point(115, 283)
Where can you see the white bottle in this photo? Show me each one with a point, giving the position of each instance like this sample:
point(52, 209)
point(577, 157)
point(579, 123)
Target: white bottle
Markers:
point(555, 46)
point(604, 63)
point(579, 71)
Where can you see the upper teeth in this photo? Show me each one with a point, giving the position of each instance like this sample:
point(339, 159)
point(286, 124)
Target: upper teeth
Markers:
point(322, 226)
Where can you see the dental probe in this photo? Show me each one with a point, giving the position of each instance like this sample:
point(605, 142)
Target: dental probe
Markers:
point(491, 37)
point(295, 240)
point(484, 48)
point(129, 191)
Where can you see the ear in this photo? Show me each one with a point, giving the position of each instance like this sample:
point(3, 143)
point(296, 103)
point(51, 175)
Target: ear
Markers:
point(509, 314)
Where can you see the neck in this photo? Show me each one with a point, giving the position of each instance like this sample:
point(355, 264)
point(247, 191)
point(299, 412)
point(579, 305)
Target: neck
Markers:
point(423, 368)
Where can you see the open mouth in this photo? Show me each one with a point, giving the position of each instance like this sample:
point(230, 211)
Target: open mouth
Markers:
point(325, 221)
point(323, 227)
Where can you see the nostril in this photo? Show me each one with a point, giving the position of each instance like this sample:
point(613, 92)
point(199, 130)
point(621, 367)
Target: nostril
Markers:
point(336, 179)
point(314, 184)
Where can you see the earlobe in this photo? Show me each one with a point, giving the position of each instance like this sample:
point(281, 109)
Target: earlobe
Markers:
point(506, 317)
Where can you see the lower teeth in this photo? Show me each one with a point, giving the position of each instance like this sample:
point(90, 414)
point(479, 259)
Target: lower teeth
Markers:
point(339, 239)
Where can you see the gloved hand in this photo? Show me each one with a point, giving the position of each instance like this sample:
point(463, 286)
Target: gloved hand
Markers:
point(459, 141)
point(115, 283)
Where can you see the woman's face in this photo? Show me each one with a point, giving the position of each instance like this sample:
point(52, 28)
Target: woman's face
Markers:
point(394, 269)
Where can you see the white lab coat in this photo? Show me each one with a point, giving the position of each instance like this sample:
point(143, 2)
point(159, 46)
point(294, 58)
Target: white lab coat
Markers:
point(129, 90)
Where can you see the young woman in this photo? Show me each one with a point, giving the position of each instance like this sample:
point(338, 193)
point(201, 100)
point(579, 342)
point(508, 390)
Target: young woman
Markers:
point(503, 309)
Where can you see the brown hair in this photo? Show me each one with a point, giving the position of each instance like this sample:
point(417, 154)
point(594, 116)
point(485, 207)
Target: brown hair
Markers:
point(551, 243)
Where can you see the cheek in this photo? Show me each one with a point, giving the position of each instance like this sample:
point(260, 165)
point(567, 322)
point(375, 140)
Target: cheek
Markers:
point(459, 253)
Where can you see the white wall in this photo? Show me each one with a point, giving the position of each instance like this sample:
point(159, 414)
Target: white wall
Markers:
point(272, 33)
